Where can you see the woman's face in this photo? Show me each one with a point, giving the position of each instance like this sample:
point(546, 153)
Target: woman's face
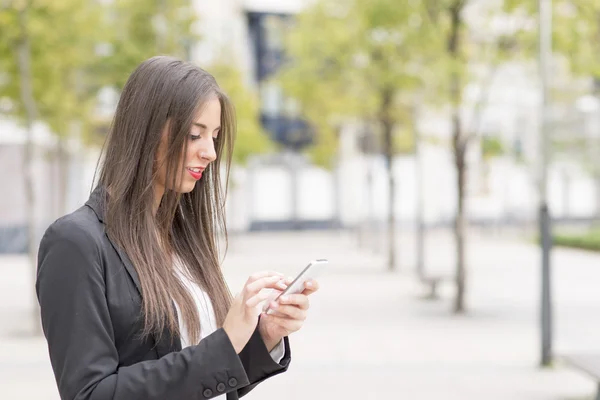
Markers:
point(200, 150)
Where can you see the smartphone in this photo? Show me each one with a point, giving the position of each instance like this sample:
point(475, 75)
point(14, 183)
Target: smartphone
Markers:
point(311, 271)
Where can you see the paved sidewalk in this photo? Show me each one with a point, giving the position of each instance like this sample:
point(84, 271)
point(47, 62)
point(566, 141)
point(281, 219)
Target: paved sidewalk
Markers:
point(370, 334)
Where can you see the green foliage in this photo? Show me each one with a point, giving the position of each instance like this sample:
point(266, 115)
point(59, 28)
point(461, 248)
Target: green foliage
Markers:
point(576, 49)
point(251, 138)
point(140, 29)
point(576, 30)
point(375, 46)
point(317, 75)
point(491, 146)
point(62, 36)
point(79, 47)
point(588, 241)
point(371, 48)
point(575, 33)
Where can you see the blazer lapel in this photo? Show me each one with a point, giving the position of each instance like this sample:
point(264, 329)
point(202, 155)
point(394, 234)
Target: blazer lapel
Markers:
point(128, 266)
point(96, 203)
point(167, 342)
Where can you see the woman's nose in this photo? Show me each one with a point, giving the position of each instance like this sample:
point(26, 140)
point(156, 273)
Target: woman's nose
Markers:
point(208, 152)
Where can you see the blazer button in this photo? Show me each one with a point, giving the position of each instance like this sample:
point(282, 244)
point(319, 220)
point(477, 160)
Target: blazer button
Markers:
point(232, 382)
point(207, 393)
point(221, 387)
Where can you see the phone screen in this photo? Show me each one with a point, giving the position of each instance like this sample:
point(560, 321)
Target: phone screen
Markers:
point(309, 272)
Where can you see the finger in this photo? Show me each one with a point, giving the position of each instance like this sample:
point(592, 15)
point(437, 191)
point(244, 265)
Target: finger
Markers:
point(273, 282)
point(310, 286)
point(263, 274)
point(292, 312)
point(259, 297)
point(288, 324)
point(271, 311)
point(299, 300)
point(274, 294)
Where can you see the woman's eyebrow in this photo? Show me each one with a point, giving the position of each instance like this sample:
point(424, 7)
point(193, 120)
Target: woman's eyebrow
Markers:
point(198, 124)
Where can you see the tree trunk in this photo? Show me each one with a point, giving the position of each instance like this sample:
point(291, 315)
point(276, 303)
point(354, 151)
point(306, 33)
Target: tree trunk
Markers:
point(24, 60)
point(337, 216)
point(459, 229)
point(370, 231)
point(366, 231)
point(231, 210)
point(294, 165)
point(388, 128)
point(459, 146)
point(337, 195)
point(420, 209)
point(566, 190)
point(597, 181)
point(63, 176)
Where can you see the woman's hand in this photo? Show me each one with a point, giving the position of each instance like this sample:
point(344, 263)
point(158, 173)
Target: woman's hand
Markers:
point(288, 316)
point(242, 318)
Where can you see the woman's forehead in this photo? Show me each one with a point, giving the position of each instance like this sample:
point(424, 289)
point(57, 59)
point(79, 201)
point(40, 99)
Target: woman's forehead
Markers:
point(208, 113)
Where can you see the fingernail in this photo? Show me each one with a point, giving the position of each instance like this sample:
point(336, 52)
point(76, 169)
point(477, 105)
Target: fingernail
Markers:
point(274, 305)
point(309, 284)
point(284, 298)
point(281, 285)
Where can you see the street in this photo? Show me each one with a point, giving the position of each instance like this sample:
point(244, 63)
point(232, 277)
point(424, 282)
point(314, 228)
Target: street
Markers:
point(372, 334)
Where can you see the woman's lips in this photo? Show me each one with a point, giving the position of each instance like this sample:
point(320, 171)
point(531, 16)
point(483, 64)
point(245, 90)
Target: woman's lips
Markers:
point(196, 173)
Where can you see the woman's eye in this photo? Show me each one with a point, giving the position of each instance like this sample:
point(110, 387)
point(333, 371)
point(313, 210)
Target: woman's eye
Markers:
point(194, 137)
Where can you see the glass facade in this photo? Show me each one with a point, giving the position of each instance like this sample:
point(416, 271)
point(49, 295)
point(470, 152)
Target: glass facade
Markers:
point(280, 115)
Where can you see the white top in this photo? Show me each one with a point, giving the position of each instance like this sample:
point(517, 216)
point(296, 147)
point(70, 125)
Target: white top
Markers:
point(208, 323)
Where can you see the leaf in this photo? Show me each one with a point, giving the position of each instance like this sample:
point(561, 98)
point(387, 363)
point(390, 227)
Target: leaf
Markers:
point(371, 48)
point(251, 138)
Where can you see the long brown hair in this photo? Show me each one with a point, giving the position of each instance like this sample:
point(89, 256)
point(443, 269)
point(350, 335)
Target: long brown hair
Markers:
point(161, 90)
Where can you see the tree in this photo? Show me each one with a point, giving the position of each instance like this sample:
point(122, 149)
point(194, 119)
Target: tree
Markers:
point(135, 30)
point(46, 44)
point(466, 49)
point(575, 45)
point(448, 16)
point(140, 29)
point(56, 56)
point(365, 71)
point(251, 138)
point(575, 42)
point(22, 48)
point(381, 62)
point(61, 41)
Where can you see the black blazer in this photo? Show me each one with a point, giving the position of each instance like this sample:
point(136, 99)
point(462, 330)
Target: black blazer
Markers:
point(90, 300)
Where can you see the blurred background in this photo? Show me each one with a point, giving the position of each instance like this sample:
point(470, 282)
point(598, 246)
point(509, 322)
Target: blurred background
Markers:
point(444, 155)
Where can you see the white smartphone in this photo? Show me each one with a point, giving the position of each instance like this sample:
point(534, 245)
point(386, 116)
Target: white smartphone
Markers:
point(311, 271)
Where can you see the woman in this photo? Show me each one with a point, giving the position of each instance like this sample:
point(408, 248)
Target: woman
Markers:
point(133, 301)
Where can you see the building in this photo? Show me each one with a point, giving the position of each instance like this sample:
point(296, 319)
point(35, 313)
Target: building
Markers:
point(58, 182)
point(284, 191)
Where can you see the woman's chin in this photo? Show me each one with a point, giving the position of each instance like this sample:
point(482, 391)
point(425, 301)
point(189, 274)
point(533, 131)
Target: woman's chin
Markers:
point(187, 187)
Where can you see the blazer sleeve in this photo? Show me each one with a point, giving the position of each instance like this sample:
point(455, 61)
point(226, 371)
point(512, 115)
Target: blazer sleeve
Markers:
point(258, 362)
point(76, 322)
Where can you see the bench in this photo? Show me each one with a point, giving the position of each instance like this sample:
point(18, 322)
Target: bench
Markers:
point(588, 363)
point(432, 282)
